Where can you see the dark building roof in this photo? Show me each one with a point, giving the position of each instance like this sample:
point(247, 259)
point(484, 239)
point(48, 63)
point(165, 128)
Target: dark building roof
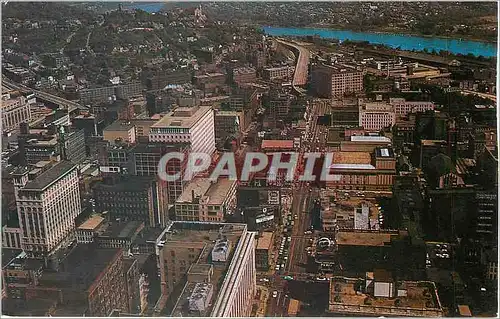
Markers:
point(50, 176)
point(129, 184)
point(8, 255)
point(80, 268)
point(148, 234)
point(122, 230)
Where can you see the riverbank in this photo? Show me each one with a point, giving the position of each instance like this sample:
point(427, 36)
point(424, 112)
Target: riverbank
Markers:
point(395, 41)
point(395, 32)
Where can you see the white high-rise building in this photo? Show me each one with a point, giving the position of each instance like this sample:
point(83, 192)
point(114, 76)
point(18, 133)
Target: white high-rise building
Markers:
point(376, 115)
point(192, 125)
point(47, 207)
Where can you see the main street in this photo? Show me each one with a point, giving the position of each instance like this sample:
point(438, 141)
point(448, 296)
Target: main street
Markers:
point(301, 207)
point(303, 201)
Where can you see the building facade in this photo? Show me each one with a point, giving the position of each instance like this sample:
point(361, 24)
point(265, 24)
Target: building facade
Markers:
point(244, 75)
point(376, 116)
point(263, 251)
point(227, 124)
point(119, 131)
point(362, 170)
point(404, 108)
point(278, 73)
point(203, 200)
point(14, 112)
point(331, 81)
point(132, 199)
point(219, 256)
point(194, 126)
point(47, 207)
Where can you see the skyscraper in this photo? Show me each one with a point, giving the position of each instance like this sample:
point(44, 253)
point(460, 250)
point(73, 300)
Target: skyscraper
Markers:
point(47, 207)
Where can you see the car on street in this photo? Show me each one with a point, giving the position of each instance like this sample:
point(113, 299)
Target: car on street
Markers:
point(275, 294)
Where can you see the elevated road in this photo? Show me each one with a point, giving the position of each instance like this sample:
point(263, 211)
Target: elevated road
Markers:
point(302, 64)
point(483, 95)
point(63, 103)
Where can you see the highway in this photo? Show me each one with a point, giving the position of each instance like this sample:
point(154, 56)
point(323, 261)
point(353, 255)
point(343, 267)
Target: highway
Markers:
point(301, 67)
point(63, 103)
point(483, 95)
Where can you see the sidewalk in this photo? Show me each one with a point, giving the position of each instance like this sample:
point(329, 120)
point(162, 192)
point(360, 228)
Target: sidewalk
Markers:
point(262, 301)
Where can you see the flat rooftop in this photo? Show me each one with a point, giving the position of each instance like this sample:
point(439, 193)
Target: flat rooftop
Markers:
point(130, 183)
point(91, 223)
point(218, 192)
point(227, 113)
point(338, 69)
point(119, 126)
point(122, 230)
point(265, 241)
point(50, 176)
point(198, 234)
point(182, 117)
point(277, 68)
point(198, 185)
point(364, 238)
point(352, 158)
point(370, 139)
point(80, 268)
point(432, 142)
point(418, 299)
point(147, 235)
point(277, 144)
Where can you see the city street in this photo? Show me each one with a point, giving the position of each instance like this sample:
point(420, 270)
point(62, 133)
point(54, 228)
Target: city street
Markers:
point(301, 206)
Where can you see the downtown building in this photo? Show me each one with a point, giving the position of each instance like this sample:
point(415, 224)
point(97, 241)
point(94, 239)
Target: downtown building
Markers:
point(404, 108)
point(144, 159)
point(363, 170)
point(132, 198)
point(206, 269)
point(375, 116)
point(284, 73)
point(103, 94)
point(228, 124)
point(192, 125)
point(88, 281)
point(47, 207)
point(328, 81)
point(204, 200)
point(15, 110)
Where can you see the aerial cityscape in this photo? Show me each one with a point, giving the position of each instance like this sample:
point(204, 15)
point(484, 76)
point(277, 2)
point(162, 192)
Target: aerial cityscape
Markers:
point(249, 159)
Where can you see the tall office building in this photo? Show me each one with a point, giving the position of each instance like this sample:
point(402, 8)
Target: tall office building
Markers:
point(376, 115)
point(333, 81)
point(207, 269)
point(193, 125)
point(15, 110)
point(133, 198)
point(47, 207)
point(144, 160)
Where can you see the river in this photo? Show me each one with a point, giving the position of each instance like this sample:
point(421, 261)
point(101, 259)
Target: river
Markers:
point(405, 42)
